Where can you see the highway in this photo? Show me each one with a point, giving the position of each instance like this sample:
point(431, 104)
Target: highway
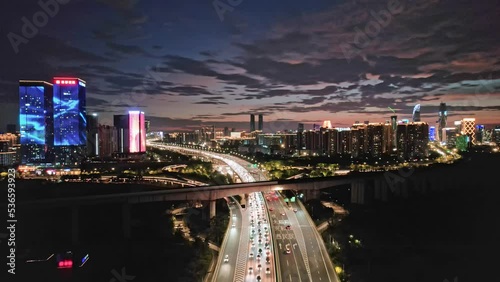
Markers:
point(225, 271)
point(308, 259)
point(301, 252)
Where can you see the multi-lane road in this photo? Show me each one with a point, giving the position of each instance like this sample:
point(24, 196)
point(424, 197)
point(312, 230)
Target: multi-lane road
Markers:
point(301, 252)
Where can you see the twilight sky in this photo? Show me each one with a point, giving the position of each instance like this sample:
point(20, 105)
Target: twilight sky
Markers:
point(187, 63)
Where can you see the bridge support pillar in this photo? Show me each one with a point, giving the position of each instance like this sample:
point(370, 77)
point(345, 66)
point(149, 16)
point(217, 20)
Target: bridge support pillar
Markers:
point(212, 208)
point(126, 220)
point(74, 224)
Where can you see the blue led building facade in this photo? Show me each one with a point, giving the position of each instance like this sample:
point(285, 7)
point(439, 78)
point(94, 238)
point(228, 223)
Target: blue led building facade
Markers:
point(70, 115)
point(36, 121)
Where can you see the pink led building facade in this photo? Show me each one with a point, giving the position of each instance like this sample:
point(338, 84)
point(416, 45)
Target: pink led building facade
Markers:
point(137, 132)
point(142, 122)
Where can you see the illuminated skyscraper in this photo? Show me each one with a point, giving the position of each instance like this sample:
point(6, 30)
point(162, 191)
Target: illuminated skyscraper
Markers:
point(443, 116)
point(416, 113)
point(36, 121)
point(468, 128)
point(394, 130)
point(327, 124)
point(70, 120)
point(137, 132)
point(432, 133)
point(480, 133)
point(131, 132)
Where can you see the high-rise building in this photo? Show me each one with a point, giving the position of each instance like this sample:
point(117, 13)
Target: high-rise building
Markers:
point(36, 121)
point(131, 132)
point(70, 112)
point(450, 135)
point(226, 132)
point(92, 135)
point(300, 137)
point(432, 133)
point(344, 141)
point(360, 139)
point(108, 140)
point(443, 116)
point(252, 122)
point(469, 129)
point(394, 129)
point(121, 125)
point(416, 113)
point(412, 139)
point(327, 124)
point(375, 133)
point(261, 123)
point(70, 120)
point(480, 132)
point(496, 135)
point(137, 132)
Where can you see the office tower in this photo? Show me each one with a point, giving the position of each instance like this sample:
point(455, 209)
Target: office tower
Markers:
point(11, 128)
point(261, 123)
point(70, 122)
point(92, 135)
point(36, 121)
point(70, 113)
point(416, 113)
point(316, 127)
point(137, 132)
point(480, 132)
point(226, 131)
point(443, 116)
point(468, 128)
point(327, 124)
point(394, 130)
point(432, 133)
point(252, 122)
point(326, 145)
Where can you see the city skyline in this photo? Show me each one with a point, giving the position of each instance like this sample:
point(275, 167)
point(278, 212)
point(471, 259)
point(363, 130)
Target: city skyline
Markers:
point(188, 65)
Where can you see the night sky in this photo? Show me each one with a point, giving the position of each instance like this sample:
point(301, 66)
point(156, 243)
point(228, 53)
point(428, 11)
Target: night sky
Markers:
point(186, 63)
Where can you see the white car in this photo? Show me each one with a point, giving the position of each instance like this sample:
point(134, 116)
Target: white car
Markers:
point(226, 258)
point(234, 225)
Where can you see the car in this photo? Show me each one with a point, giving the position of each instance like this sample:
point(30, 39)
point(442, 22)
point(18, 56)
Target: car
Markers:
point(259, 267)
point(288, 227)
point(234, 225)
point(283, 213)
point(250, 269)
point(268, 270)
point(288, 251)
point(294, 210)
point(268, 259)
point(226, 258)
point(259, 278)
